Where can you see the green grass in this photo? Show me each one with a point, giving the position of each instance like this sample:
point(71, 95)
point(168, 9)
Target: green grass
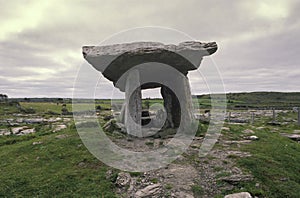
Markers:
point(51, 168)
point(168, 186)
point(43, 107)
point(197, 190)
point(275, 165)
point(8, 109)
point(154, 180)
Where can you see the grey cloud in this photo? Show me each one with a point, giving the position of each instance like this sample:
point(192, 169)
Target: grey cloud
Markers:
point(267, 61)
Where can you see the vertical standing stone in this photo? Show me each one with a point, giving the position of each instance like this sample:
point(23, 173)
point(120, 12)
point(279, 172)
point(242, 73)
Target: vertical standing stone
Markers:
point(229, 117)
point(168, 97)
point(133, 109)
point(252, 117)
point(179, 107)
point(187, 108)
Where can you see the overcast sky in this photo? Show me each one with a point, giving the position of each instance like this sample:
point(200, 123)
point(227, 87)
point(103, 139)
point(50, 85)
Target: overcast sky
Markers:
point(40, 41)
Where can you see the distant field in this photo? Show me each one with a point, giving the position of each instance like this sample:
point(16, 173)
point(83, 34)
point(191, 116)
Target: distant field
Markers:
point(257, 100)
point(64, 167)
point(234, 101)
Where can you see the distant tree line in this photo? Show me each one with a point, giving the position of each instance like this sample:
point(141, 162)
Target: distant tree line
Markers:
point(3, 97)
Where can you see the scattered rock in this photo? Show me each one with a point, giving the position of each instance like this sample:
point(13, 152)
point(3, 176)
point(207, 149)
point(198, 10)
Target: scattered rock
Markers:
point(195, 146)
point(225, 128)
point(67, 119)
point(27, 131)
point(123, 179)
point(108, 174)
point(198, 138)
point(274, 123)
point(36, 143)
point(248, 131)
point(296, 132)
point(295, 137)
point(81, 164)
point(154, 190)
point(112, 126)
point(226, 143)
point(235, 179)
point(59, 127)
point(239, 195)
point(236, 170)
point(238, 153)
point(252, 137)
point(4, 132)
point(22, 130)
point(50, 120)
point(108, 117)
point(182, 194)
point(17, 130)
point(238, 120)
point(34, 121)
point(62, 136)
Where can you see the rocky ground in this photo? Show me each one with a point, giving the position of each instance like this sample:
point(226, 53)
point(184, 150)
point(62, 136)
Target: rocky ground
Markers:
point(209, 176)
point(22, 124)
point(188, 176)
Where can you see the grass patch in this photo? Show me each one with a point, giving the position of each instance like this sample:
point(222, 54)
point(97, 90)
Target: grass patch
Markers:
point(154, 180)
point(275, 165)
point(50, 168)
point(168, 186)
point(197, 190)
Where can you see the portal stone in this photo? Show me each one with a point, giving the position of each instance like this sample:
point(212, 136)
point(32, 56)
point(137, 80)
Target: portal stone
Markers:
point(133, 108)
point(118, 64)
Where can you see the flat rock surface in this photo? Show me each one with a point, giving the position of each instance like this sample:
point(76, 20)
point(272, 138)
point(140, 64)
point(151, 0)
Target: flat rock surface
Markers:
point(239, 195)
point(115, 60)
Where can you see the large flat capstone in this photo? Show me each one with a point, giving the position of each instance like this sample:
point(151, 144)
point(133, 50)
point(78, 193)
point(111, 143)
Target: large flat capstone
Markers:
point(115, 60)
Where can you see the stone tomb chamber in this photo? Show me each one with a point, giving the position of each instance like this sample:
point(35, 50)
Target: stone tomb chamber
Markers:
point(133, 67)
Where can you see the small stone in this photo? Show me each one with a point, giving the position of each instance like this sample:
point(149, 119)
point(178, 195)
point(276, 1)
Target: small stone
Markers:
point(252, 137)
point(225, 128)
point(248, 131)
point(81, 164)
point(17, 130)
point(153, 190)
point(198, 138)
point(59, 127)
point(62, 136)
point(123, 179)
point(235, 179)
point(108, 174)
point(296, 132)
point(295, 137)
point(27, 131)
point(37, 143)
point(108, 117)
point(239, 195)
point(182, 194)
point(236, 170)
point(34, 121)
point(4, 132)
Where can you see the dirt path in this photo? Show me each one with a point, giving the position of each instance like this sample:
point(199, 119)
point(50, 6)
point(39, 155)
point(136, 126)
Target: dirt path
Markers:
point(189, 175)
